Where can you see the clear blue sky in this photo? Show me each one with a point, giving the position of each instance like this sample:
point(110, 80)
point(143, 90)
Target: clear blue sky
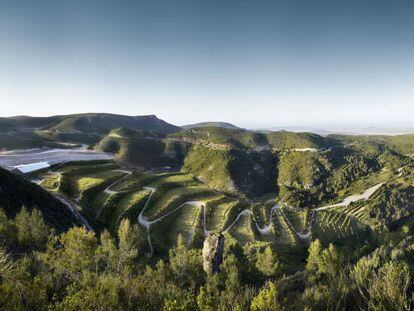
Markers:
point(254, 63)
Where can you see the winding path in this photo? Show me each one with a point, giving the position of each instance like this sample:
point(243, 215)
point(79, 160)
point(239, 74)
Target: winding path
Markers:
point(366, 195)
point(353, 198)
point(72, 207)
point(265, 230)
point(108, 189)
point(143, 220)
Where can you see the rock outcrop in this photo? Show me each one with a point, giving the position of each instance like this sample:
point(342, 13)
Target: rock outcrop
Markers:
point(213, 253)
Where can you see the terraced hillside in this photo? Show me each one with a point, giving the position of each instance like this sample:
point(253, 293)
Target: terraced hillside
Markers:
point(281, 188)
point(168, 204)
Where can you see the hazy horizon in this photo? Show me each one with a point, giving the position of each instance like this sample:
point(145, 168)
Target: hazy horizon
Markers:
point(255, 64)
point(323, 129)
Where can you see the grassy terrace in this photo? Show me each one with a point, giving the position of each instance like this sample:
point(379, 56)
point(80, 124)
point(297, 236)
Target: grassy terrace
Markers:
point(297, 218)
point(117, 206)
point(218, 211)
point(85, 183)
point(51, 181)
point(243, 230)
point(336, 225)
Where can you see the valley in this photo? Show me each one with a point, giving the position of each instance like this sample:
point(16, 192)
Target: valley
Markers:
point(278, 191)
point(206, 155)
point(167, 203)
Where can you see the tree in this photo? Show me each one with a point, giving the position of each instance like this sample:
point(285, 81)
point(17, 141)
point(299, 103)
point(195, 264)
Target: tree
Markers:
point(6, 267)
point(107, 254)
point(326, 261)
point(209, 295)
point(267, 262)
point(388, 287)
point(8, 230)
point(92, 293)
point(186, 264)
point(186, 302)
point(331, 261)
point(77, 254)
point(314, 257)
point(129, 239)
point(267, 299)
point(363, 272)
point(32, 232)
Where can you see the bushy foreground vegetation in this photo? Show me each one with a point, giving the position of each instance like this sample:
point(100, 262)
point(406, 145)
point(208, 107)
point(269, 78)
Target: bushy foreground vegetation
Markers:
point(291, 243)
point(77, 270)
point(107, 193)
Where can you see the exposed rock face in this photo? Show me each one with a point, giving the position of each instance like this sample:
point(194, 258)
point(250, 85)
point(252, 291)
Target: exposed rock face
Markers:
point(213, 253)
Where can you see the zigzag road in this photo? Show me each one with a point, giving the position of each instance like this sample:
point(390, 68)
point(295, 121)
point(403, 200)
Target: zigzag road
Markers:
point(265, 230)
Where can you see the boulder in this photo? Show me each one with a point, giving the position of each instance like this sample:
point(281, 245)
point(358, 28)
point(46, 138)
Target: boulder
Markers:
point(213, 253)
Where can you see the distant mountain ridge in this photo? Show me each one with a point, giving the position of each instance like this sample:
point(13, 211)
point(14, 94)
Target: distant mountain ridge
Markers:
point(245, 139)
point(98, 122)
point(89, 128)
point(211, 124)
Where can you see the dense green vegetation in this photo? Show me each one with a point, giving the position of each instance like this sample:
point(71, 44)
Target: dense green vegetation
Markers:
point(30, 132)
point(402, 143)
point(289, 140)
point(210, 124)
point(142, 148)
point(244, 139)
point(103, 123)
point(232, 170)
point(78, 270)
point(309, 223)
point(222, 137)
point(11, 140)
point(15, 192)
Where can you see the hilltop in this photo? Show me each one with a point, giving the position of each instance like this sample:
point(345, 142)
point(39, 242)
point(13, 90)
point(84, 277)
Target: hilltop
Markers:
point(245, 139)
point(284, 203)
point(103, 122)
point(28, 132)
point(302, 168)
point(211, 124)
point(402, 143)
point(142, 148)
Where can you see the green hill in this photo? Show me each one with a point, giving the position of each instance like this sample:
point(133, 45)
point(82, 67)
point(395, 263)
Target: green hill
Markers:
point(401, 143)
point(225, 137)
point(102, 123)
point(243, 139)
point(290, 140)
point(92, 127)
point(15, 192)
point(24, 140)
point(232, 170)
point(89, 128)
point(143, 148)
point(211, 124)
point(26, 123)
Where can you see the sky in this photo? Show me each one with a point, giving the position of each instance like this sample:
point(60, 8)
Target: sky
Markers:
point(253, 63)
